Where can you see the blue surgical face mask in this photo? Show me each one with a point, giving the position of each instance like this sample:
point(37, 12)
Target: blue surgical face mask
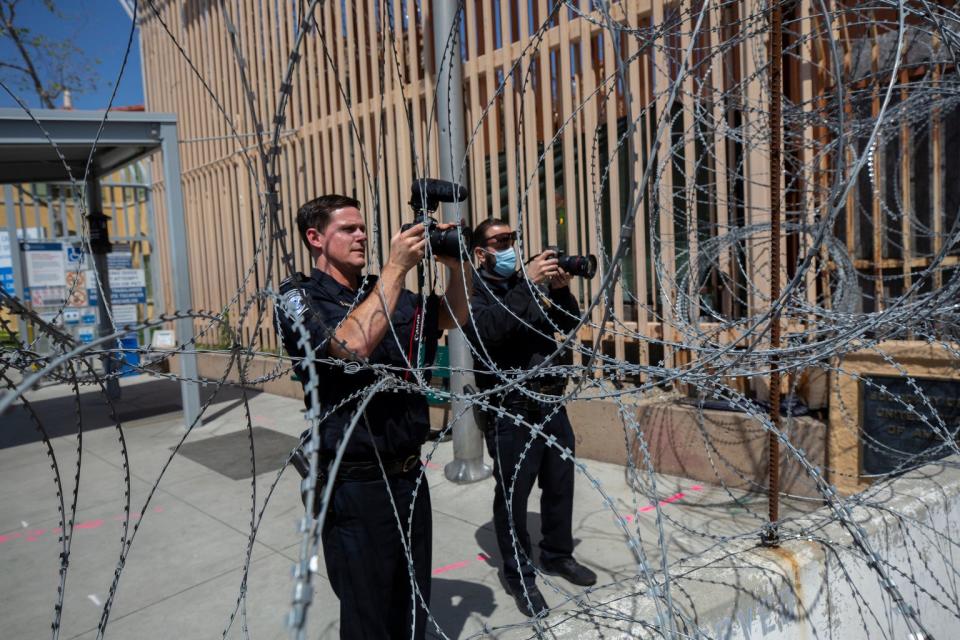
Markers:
point(506, 262)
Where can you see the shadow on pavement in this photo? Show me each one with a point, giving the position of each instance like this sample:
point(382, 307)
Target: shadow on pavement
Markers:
point(452, 602)
point(59, 415)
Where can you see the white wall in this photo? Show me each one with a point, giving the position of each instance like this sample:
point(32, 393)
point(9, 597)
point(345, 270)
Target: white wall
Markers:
point(818, 586)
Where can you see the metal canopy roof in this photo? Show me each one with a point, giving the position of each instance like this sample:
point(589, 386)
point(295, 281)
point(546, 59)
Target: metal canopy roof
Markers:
point(28, 154)
point(48, 145)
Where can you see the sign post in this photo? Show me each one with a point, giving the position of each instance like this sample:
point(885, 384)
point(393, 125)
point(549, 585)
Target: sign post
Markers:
point(100, 247)
point(16, 267)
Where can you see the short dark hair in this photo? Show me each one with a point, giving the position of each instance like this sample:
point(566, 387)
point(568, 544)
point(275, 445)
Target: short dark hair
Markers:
point(315, 214)
point(480, 233)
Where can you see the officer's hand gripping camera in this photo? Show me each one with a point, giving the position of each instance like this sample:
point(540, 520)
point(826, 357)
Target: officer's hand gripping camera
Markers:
point(583, 266)
point(425, 196)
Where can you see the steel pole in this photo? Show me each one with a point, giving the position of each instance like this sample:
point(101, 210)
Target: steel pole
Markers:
point(100, 247)
point(467, 465)
point(771, 535)
point(180, 278)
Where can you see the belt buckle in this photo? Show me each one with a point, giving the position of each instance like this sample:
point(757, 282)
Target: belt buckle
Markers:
point(409, 463)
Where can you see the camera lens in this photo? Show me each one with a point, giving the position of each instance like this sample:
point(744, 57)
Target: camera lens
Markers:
point(582, 266)
point(445, 242)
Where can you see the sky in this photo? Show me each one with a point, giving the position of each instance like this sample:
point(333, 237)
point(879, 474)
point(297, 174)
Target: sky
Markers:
point(100, 29)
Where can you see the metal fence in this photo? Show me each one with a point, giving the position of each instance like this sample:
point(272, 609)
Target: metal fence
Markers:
point(572, 125)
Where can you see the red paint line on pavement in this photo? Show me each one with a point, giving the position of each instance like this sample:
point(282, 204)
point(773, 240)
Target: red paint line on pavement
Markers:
point(35, 534)
point(450, 567)
point(650, 507)
point(481, 557)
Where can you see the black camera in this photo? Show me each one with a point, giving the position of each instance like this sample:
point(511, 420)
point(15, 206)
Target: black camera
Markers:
point(583, 266)
point(426, 194)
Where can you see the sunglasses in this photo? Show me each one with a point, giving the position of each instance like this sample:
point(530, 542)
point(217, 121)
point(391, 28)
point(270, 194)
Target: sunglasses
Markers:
point(501, 240)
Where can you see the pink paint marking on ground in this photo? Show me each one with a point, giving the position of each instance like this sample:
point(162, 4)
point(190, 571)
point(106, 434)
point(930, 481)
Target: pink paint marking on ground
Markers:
point(673, 498)
point(481, 557)
point(450, 567)
point(35, 534)
point(134, 515)
point(677, 496)
point(433, 466)
point(9, 536)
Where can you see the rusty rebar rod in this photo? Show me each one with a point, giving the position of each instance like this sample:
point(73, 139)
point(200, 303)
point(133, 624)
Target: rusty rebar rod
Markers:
point(771, 534)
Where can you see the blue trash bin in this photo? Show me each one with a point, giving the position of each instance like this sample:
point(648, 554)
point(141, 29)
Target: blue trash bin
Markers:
point(131, 357)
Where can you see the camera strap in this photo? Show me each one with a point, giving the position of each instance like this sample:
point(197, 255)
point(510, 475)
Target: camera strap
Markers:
point(415, 340)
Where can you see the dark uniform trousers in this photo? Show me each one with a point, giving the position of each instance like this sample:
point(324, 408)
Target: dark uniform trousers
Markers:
point(365, 558)
point(506, 440)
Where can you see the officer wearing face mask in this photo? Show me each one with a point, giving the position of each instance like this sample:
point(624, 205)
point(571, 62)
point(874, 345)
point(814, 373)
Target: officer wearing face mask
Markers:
point(513, 321)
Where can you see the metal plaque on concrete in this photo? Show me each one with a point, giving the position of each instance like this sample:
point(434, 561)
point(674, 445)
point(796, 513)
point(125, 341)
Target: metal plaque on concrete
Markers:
point(899, 426)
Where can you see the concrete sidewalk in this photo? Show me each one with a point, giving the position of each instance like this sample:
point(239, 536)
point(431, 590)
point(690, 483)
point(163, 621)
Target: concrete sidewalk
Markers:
point(182, 578)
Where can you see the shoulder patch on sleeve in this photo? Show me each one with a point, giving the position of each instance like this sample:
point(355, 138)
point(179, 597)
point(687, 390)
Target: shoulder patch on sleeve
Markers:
point(294, 303)
point(293, 281)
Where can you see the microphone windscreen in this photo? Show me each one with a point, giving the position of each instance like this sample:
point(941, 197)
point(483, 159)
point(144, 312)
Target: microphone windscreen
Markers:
point(441, 190)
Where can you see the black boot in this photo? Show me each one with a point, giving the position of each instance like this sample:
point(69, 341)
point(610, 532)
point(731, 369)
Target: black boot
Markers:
point(569, 569)
point(530, 602)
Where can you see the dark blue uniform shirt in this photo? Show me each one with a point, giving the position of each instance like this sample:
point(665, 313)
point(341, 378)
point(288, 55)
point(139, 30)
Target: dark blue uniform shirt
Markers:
point(513, 322)
point(398, 421)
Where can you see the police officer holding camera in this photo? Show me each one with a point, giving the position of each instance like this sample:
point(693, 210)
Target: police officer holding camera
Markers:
point(356, 318)
point(513, 319)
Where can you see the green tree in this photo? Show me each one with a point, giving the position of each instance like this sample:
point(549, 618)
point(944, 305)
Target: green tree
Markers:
point(43, 65)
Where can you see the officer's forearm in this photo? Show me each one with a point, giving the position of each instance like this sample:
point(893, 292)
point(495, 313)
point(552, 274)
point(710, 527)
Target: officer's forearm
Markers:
point(454, 312)
point(364, 327)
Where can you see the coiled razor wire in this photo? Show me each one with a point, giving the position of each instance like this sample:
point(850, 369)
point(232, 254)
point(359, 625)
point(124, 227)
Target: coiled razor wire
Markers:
point(834, 301)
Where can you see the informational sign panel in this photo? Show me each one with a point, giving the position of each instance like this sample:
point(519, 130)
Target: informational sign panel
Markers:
point(6, 264)
point(48, 296)
point(127, 286)
point(119, 258)
point(892, 432)
point(127, 279)
point(93, 294)
point(164, 339)
point(75, 257)
point(77, 289)
point(46, 264)
point(124, 314)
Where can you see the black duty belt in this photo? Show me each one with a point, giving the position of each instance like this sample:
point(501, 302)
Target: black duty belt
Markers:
point(550, 388)
point(370, 470)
